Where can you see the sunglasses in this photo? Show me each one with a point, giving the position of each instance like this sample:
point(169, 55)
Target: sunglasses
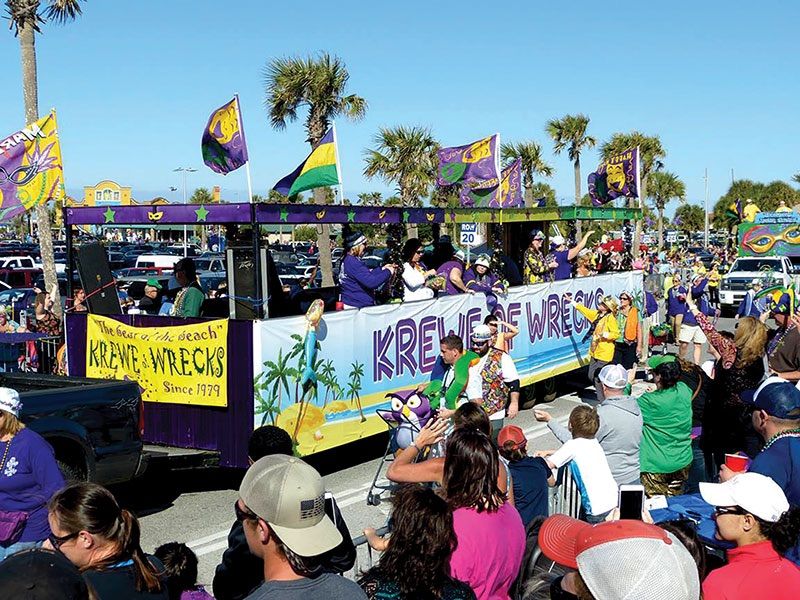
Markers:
point(729, 510)
point(244, 515)
point(58, 541)
point(492, 324)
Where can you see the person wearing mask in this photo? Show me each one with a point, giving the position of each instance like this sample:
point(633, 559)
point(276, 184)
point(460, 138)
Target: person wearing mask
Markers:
point(588, 462)
point(783, 348)
point(666, 449)
point(501, 339)
point(281, 507)
point(529, 475)
point(752, 511)
point(629, 344)
point(190, 296)
point(604, 331)
point(620, 431)
point(102, 540)
point(415, 275)
point(727, 427)
point(150, 302)
point(489, 531)
point(421, 519)
point(493, 380)
point(241, 571)
point(452, 272)
point(357, 281)
point(535, 269)
point(29, 476)
point(564, 256)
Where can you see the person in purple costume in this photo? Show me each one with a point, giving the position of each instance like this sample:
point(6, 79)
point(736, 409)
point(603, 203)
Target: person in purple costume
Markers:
point(357, 281)
point(564, 256)
point(453, 272)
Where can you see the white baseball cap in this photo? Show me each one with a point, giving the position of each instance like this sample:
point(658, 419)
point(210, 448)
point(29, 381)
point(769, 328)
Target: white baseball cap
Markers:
point(614, 376)
point(757, 494)
point(481, 333)
point(290, 496)
point(557, 240)
point(9, 401)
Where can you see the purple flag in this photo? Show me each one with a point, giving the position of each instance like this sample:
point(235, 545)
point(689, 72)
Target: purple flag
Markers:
point(476, 162)
point(224, 147)
point(488, 194)
point(618, 176)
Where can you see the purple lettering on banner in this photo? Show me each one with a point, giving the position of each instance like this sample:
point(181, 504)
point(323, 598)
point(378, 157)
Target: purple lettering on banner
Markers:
point(440, 326)
point(566, 311)
point(535, 322)
point(553, 316)
point(462, 329)
point(428, 344)
point(512, 318)
point(406, 341)
point(473, 319)
point(381, 365)
point(500, 313)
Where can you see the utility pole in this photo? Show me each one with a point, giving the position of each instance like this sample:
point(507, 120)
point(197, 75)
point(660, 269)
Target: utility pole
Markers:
point(705, 211)
point(185, 171)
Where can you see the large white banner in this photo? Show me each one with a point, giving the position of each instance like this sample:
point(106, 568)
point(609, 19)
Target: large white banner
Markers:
point(364, 354)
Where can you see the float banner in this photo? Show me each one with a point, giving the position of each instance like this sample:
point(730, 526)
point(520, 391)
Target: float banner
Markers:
point(618, 176)
point(31, 171)
point(489, 195)
point(476, 162)
point(769, 239)
point(358, 356)
point(186, 364)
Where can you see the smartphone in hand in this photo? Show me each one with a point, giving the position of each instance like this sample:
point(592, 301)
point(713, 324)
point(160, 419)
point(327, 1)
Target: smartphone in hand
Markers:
point(631, 502)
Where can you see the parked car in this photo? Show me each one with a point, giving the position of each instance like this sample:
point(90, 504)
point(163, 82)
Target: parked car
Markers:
point(17, 262)
point(770, 270)
point(94, 426)
point(18, 278)
point(211, 264)
point(142, 271)
point(165, 261)
point(16, 300)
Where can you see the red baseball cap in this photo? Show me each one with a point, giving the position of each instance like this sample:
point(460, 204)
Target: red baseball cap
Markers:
point(511, 433)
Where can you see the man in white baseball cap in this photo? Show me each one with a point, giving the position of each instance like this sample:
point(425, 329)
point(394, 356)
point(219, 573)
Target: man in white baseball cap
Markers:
point(752, 511)
point(282, 508)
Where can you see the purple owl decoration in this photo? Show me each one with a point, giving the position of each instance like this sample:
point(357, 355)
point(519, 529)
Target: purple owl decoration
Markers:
point(411, 411)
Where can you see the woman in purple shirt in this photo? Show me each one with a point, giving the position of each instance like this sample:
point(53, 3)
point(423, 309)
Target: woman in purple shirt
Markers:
point(29, 477)
point(563, 256)
point(357, 281)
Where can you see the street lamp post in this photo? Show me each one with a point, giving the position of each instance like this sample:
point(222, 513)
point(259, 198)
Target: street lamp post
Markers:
point(185, 171)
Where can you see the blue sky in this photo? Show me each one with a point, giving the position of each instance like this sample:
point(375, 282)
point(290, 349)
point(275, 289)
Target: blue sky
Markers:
point(135, 82)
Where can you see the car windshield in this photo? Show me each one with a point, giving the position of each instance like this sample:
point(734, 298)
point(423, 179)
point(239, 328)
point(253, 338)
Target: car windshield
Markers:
point(202, 265)
point(757, 264)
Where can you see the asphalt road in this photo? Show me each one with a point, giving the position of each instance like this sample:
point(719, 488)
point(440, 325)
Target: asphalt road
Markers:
point(196, 507)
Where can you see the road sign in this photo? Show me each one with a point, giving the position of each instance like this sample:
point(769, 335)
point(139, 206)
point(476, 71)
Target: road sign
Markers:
point(672, 237)
point(469, 235)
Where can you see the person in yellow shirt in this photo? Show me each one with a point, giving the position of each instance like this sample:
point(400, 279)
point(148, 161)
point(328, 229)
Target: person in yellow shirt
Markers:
point(604, 332)
point(782, 207)
point(713, 284)
point(750, 211)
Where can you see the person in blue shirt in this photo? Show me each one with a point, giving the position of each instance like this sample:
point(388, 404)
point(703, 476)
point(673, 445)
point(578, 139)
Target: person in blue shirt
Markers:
point(776, 418)
point(690, 331)
point(564, 256)
point(751, 306)
point(529, 475)
point(357, 281)
point(676, 296)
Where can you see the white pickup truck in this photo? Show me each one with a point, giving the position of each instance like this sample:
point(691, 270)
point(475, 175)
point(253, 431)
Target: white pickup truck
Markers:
point(771, 270)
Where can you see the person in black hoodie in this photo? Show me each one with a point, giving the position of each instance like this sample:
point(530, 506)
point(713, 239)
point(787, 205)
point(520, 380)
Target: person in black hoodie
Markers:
point(241, 571)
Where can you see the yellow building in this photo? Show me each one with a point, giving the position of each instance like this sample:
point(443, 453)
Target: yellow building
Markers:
point(106, 193)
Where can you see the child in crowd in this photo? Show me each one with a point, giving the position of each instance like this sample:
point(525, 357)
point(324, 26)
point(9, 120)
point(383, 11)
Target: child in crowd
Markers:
point(529, 475)
point(587, 462)
point(180, 568)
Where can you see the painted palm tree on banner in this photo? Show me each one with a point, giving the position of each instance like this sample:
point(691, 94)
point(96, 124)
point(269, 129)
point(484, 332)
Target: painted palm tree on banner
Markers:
point(662, 188)
point(317, 83)
point(531, 162)
point(406, 157)
point(651, 153)
point(26, 18)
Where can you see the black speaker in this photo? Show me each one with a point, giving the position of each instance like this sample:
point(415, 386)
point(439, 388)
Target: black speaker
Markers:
point(97, 280)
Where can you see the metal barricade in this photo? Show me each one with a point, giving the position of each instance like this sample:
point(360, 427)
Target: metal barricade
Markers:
point(47, 351)
point(364, 554)
point(565, 497)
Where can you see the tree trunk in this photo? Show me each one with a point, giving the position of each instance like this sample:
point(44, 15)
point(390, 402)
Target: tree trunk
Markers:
point(30, 94)
point(660, 228)
point(578, 228)
point(324, 242)
point(528, 194)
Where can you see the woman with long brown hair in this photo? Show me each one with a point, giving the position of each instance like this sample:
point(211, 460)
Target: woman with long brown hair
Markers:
point(102, 540)
point(45, 320)
point(490, 533)
point(727, 424)
point(416, 562)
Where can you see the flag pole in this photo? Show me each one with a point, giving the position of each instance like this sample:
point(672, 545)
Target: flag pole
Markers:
point(338, 164)
point(244, 141)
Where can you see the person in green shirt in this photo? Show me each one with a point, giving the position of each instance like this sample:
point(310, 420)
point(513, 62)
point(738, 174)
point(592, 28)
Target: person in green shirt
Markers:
point(190, 297)
point(665, 453)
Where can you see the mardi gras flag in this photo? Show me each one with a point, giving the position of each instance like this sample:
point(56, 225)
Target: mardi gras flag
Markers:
point(735, 210)
point(488, 194)
point(31, 170)
point(223, 144)
point(320, 169)
point(473, 163)
point(618, 176)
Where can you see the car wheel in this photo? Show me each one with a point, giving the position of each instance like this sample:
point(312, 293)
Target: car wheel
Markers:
point(70, 472)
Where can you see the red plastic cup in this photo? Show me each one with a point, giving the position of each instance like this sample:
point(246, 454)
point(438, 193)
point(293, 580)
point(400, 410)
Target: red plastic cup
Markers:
point(339, 305)
point(736, 462)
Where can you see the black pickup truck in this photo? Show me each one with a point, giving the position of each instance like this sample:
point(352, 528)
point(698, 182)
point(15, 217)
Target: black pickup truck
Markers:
point(94, 426)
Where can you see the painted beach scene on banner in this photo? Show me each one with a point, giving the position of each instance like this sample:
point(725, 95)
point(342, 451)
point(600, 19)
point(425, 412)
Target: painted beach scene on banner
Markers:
point(323, 376)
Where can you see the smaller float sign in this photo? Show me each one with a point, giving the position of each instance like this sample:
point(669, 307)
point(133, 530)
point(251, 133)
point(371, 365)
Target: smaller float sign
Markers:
point(186, 364)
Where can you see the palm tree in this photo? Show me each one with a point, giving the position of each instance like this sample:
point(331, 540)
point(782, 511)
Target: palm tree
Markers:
point(354, 386)
point(663, 187)
point(406, 157)
point(532, 164)
point(650, 154)
point(318, 83)
point(569, 132)
point(796, 177)
point(26, 17)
